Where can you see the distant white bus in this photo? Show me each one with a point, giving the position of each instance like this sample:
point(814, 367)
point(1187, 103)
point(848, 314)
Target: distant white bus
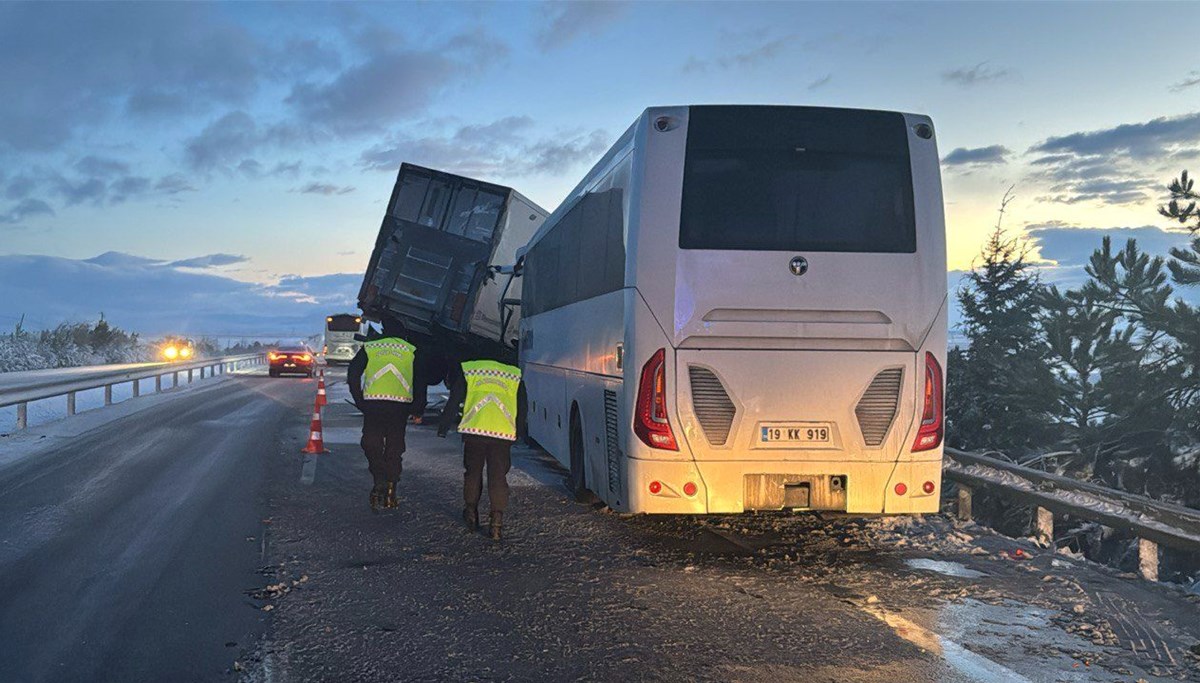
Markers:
point(744, 308)
point(340, 344)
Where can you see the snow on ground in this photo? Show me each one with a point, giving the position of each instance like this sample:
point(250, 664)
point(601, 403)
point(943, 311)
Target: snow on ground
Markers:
point(49, 424)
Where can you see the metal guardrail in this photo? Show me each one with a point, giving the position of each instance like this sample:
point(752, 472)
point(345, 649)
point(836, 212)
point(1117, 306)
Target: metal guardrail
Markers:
point(68, 381)
point(1153, 522)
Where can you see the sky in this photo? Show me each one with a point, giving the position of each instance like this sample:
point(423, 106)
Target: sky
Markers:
point(224, 167)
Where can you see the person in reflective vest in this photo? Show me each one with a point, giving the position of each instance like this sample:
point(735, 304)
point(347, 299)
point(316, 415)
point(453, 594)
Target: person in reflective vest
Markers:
point(487, 400)
point(380, 378)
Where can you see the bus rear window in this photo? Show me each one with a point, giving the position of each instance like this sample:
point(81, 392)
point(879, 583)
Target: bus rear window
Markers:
point(343, 323)
point(797, 179)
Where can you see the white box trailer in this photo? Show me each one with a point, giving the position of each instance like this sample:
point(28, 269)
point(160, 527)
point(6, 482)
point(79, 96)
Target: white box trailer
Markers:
point(436, 259)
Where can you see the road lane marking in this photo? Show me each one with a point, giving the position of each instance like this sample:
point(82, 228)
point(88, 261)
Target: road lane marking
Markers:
point(309, 471)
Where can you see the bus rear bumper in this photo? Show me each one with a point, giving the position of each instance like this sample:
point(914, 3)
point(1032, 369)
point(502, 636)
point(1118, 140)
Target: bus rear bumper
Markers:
point(722, 487)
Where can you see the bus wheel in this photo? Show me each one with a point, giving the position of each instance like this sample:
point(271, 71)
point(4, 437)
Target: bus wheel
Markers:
point(578, 471)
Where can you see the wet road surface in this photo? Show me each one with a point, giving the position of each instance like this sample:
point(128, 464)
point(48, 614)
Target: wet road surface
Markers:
point(191, 540)
point(126, 551)
point(576, 593)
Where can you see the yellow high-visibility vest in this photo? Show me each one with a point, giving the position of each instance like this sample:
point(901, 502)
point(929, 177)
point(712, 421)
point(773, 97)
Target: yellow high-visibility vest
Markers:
point(490, 408)
point(389, 374)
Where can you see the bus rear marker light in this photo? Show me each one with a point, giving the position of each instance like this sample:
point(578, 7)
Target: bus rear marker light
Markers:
point(901, 489)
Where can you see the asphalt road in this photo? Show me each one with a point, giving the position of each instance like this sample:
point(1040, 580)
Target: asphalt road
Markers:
point(576, 593)
point(126, 552)
point(191, 540)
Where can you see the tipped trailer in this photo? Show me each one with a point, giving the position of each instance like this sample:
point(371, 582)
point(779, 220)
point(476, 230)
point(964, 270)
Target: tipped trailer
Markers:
point(442, 262)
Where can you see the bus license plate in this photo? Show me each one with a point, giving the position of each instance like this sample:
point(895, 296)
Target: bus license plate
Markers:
point(818, 433)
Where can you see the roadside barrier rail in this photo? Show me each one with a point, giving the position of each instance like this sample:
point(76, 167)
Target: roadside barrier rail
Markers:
point(1153, 522)
point(22, 388)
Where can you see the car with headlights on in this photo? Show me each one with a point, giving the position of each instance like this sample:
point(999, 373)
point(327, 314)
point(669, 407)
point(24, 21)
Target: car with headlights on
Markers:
point(177, 349)
point(296, 360)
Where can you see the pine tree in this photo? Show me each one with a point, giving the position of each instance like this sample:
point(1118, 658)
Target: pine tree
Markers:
point(1001, 394)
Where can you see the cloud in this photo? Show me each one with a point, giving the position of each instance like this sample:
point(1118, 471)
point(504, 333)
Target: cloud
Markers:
point(26, 208)
point(101, 166)
point(820, 82)
point(174, 184)
point(324, 188)
point(977, 156)
point(226, 140)
point(1103, 190)
point(69, 66)
point(123, 189)
point(392, 84)
point(758, 54)
point(20, 187)
point(148, 296)
point(208, 261)
point(565, 22)
point(975, 75)
point(1125, 164)
point(500, 148)
point(78, 191)
point(1191, 80)
point(1145, 140)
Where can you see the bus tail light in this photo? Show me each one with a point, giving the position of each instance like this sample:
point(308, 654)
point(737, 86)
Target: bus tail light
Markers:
point(650, 421)
point(928, 487)
point(901, 489)
point(929, 436)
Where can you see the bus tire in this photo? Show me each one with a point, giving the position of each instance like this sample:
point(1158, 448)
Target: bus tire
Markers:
point(578, 470)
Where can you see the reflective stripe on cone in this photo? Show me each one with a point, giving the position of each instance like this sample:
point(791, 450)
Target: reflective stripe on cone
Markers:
point(316, 442)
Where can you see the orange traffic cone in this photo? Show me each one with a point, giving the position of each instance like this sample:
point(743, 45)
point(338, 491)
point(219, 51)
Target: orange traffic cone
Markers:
point(321, 400)
point(316, 441)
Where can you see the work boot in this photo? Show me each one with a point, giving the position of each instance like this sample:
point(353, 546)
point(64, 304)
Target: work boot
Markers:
point(389, 495)
point(471, 517)
point(496, 521)
point(377, 497)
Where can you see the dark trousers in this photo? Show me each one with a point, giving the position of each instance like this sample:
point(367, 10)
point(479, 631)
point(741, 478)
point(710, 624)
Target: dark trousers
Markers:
point(497, 455)
point(384, 423)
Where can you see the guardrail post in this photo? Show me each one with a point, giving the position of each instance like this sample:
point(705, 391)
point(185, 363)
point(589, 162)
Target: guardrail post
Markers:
point(189, 376)
point(108, 394)
point(158, 384)
point(964, 502)
point(201, 372)
point(70, 403)
point(1044, 527)
point(22, 415)
point(137, 388)
point(175, 379)
point(1148, 559)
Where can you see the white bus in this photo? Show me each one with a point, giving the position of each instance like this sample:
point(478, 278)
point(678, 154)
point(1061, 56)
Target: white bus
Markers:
point(744, 308)
point(340, 344)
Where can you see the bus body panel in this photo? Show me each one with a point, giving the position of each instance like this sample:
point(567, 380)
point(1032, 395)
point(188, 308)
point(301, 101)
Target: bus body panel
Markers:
point(786, 348)
point(722, 485)
point(566, 363)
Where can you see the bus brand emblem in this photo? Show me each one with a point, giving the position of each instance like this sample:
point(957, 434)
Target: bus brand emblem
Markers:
point(799, 265)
